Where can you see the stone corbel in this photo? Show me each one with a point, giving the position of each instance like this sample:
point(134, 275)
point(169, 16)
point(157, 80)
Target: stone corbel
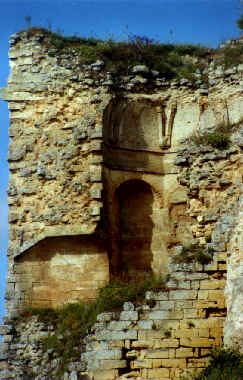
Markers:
point(165, 129)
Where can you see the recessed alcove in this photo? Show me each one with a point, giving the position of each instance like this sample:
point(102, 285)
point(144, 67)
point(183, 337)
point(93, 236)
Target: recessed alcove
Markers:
point(134, 200)
point(132, 125)
point(58, 270)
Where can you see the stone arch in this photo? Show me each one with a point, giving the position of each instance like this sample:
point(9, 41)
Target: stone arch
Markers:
point(132, 230)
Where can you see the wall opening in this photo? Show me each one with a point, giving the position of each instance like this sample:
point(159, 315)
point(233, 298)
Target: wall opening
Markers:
point(134, 205)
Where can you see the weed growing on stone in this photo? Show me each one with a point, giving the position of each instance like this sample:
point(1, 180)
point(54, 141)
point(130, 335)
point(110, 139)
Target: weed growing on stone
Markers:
point(45, 314)
point(154, 327)
point(150, 303)
point(181, 61)
point(170, 60)
point(219, 138)
point(73, 321)
point(119, 57)
point(190, 325)
point(192, 253)
point(224, 364)
point(168, 334)
point(230, 56)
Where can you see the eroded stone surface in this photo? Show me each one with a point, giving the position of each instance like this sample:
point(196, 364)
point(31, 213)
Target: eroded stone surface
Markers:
point(106, 185)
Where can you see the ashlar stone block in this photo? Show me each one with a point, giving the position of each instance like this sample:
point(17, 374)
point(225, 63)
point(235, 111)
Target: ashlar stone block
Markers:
point(166, 343)
point(212, 284)
point(119, 325)
point(166, 314)
point(179, 363)
point(145, 325)
point(94, 211)
point(143, 363)
point(112, 364)
point(151, 334)
point(157, 354)
point(160, 296)
point(129, 316)
point(95, 173)
point(143, 343)
point(116, 335)
point(159, 314)
point(196, 342)
point(184, 352)
point(164, 305)
point(156, 373)
point(183, 294)
point(109, 354)
point(105, 374)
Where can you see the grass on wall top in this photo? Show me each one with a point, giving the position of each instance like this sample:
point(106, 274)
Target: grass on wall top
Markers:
point(170, 60)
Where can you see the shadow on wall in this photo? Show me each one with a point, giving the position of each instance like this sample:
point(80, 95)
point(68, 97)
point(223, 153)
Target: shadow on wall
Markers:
point(132, 136)
point(62, 269)
point(132, 146)
point(131, 255)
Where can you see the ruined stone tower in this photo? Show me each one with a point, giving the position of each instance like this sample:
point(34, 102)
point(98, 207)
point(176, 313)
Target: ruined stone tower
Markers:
point(105, 182)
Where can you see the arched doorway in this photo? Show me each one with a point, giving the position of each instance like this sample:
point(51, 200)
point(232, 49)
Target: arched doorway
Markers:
point(134, 200)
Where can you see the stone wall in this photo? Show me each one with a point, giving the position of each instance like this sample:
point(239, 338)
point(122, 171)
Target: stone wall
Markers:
point(233, 290)
point(55, 157)
point(107, 183)
point(60, 270)
point(167, 336)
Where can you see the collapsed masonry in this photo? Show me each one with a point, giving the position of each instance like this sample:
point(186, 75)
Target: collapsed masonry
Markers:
point(102, 185)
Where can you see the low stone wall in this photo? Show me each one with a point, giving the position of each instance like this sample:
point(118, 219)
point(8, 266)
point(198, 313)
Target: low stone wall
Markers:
point(170, 334)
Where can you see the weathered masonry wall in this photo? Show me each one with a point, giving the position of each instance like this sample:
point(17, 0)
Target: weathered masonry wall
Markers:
point(48, 273)
point(107, 183)
point(55, 158)
point(167, 336)
point(233, 290)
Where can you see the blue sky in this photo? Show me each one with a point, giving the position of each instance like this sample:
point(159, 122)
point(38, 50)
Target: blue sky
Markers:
point(207, 22)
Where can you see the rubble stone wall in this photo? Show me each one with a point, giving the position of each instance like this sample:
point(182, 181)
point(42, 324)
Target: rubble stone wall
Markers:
point(107, 181)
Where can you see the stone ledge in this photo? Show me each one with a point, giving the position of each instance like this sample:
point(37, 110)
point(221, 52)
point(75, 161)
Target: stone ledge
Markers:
point(56, 231)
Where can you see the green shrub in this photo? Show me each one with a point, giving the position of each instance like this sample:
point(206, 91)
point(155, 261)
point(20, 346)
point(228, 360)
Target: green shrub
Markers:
point(113, 295)
point(73, 321)
point(193, 253)
point(187, 71)
point(225, 364)
point(192, 50)
point(119, 57)
point(171, 60)
point(239, 22)
point(45, 314)
point(219, 138)
point(230, 56)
